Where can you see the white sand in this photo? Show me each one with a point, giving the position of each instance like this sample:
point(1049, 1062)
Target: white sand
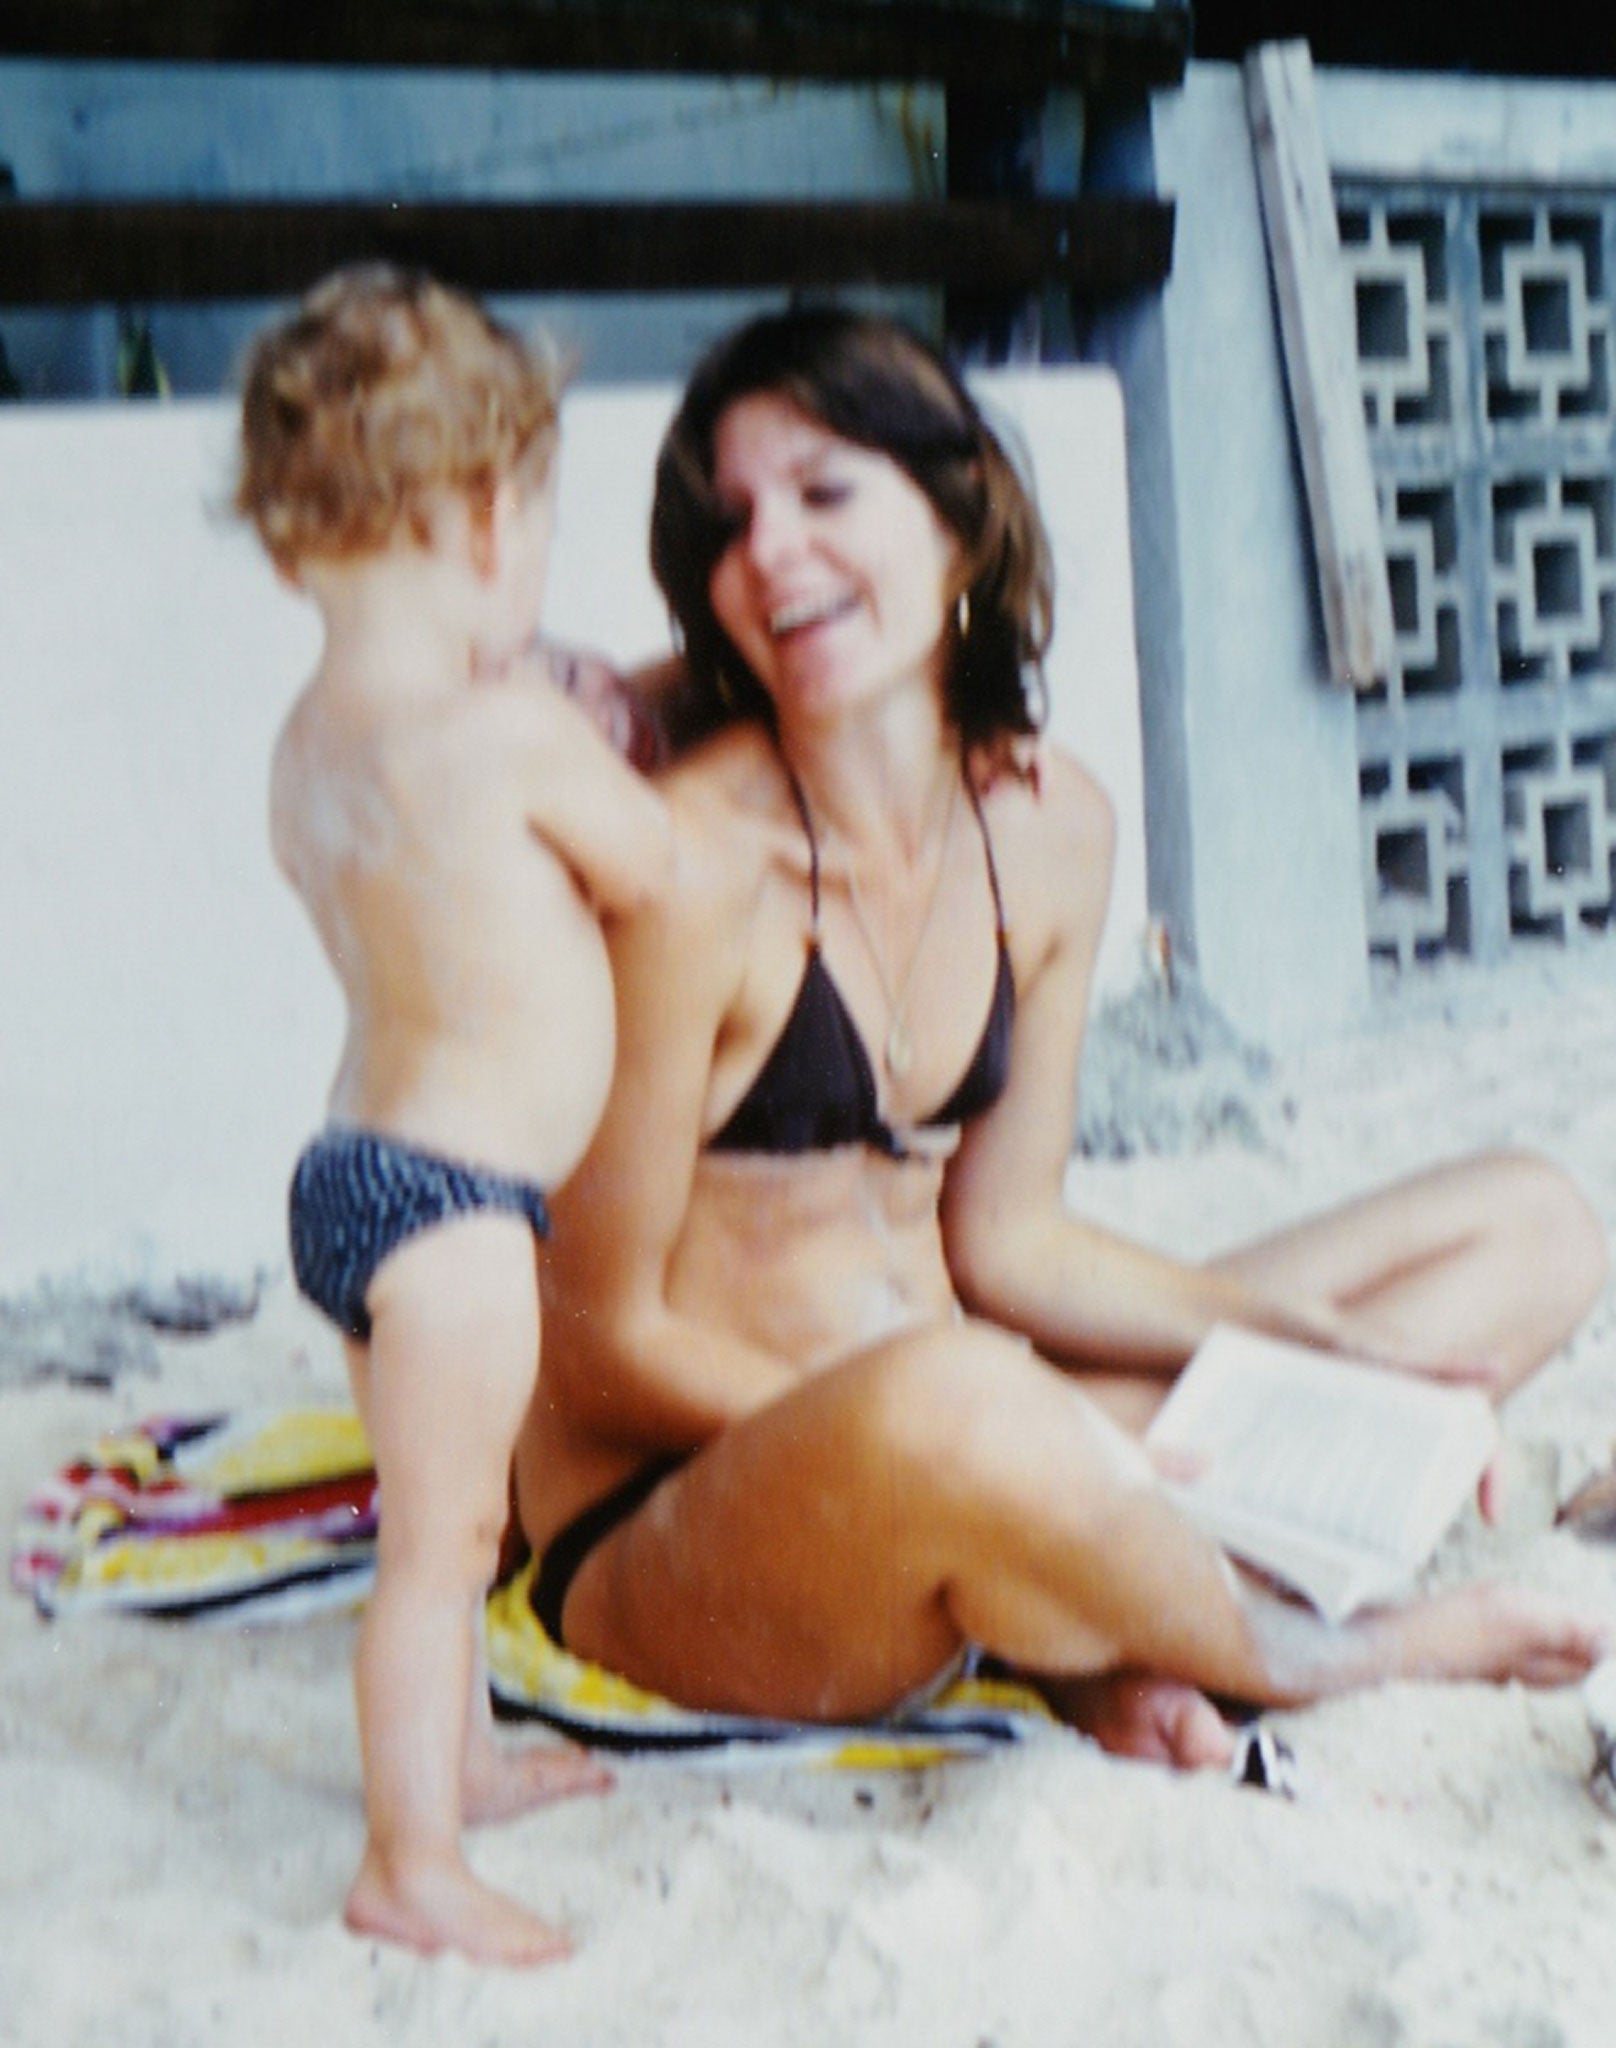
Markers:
point(181, 1807)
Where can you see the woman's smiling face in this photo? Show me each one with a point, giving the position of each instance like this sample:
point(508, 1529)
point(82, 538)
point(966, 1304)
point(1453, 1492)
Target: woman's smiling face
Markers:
point(835, 584)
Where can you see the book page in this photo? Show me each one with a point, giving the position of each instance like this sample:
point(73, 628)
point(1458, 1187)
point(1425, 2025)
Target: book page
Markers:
point(1298, 1443)
point(1333, 1578)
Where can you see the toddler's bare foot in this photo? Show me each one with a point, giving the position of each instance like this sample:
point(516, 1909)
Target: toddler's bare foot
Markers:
point(1158, 1720)
point(437, 1905)
point(498, 1784)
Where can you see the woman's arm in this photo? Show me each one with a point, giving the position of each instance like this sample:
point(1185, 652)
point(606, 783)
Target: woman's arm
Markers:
point(1016, 1253)
point(624, 1362)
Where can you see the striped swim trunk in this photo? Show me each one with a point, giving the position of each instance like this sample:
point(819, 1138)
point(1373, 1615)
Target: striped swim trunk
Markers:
point(357, 1196)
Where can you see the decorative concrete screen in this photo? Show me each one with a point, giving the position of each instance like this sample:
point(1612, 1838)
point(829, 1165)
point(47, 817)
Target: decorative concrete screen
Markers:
point(1488, 765)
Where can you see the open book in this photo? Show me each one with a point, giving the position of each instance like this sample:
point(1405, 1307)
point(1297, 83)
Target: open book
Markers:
point(1336, 1477)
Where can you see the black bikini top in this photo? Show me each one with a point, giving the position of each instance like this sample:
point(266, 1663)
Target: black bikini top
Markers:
point(817, 1087)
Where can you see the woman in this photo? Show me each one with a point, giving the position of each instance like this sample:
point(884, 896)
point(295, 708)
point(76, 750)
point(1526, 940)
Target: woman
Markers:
point(832, 1379)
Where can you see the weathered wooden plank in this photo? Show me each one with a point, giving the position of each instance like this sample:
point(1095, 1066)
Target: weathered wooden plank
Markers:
point(1317, 329)
point(1010, 42)
point(82, 252)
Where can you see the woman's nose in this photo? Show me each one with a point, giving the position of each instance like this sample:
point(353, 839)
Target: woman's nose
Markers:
point(774, 533)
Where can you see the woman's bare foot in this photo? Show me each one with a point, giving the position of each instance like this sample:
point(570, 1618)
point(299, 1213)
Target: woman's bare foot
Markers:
point(439, 1904)
point(498, 1783)
point(1156, 1720)
point(1494, 1633)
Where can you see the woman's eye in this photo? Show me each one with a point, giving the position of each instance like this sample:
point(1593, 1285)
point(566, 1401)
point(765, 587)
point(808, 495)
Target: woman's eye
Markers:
point(826, 491)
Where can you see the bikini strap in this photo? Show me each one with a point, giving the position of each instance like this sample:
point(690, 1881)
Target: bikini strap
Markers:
point(801, 801)
point(806, 816)
point(987, 848)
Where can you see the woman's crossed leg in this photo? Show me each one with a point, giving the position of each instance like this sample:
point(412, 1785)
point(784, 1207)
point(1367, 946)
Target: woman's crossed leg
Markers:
point(830, 1555)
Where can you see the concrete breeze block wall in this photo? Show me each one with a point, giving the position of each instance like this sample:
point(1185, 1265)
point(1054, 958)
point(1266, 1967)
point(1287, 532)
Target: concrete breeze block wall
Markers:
point(1256, 833)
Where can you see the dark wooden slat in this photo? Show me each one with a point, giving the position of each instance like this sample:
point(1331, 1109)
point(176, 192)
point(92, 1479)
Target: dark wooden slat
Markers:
point(84, 252)
point(1011, 42)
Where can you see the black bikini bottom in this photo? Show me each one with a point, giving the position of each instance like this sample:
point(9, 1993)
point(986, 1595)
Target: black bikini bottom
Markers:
point(566, 1552)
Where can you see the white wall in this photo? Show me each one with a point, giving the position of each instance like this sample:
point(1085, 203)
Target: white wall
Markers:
point(167, 1027)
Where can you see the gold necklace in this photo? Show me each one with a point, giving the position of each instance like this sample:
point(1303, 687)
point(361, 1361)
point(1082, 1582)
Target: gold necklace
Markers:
point(898, 1050)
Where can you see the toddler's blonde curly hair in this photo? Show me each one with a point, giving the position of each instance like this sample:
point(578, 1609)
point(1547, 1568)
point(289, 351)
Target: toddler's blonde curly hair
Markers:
point(383, 393)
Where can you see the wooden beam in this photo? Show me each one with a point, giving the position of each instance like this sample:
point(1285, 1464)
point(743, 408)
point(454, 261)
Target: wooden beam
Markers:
point(85, 252)
point(1318, 334)
point(1023, 43)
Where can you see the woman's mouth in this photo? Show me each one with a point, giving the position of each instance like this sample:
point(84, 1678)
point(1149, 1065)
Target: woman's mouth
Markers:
point(806, 612)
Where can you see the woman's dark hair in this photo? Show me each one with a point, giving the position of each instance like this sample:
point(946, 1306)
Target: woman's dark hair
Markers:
point(869, 381)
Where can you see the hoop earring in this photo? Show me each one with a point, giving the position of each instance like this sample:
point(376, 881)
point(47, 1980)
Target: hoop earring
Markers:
point(962, 615)
point(1035, 691)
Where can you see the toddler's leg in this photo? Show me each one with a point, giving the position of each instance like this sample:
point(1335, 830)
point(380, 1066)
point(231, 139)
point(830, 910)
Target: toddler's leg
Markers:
point(442, 1389)
point(498, 1783)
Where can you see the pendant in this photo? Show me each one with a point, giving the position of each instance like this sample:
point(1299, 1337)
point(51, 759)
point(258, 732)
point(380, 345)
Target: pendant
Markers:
point(899, 1052)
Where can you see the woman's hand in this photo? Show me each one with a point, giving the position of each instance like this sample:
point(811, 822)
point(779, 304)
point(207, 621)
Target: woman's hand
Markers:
point(1360, 1339)
point(619, 709)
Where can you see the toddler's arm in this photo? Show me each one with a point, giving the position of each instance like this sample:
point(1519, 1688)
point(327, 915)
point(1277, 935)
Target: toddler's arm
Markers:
point(607, 822)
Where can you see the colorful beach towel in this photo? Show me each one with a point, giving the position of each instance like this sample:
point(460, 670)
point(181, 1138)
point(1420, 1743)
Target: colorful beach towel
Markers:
point(264, 1514)
point(532, 1678)
point(271, 1515)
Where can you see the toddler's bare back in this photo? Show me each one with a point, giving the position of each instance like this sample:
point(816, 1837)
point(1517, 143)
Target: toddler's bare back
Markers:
point(480, 1016)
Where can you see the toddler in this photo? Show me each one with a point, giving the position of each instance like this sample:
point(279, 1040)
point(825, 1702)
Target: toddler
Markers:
point(456, 828)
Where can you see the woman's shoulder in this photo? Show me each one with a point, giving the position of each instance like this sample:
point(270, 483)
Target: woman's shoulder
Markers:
point(1048, 806)
point(734, 821)
point(739, 764)
point(1052, 830)
point(730, 793)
